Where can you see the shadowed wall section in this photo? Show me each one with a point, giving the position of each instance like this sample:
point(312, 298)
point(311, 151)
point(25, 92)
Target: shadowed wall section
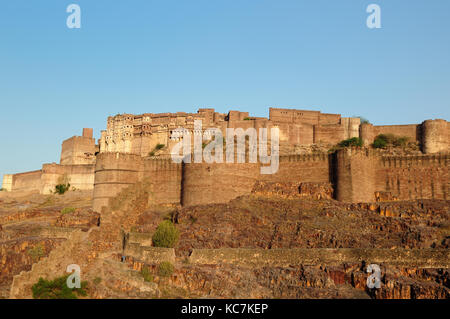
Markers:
point(113, 173)
point(219, 183)
point(216, 183)
point(164, 177)
point(357, 174)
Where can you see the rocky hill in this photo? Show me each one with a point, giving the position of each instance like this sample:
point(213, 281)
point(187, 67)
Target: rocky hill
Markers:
point(311, 246)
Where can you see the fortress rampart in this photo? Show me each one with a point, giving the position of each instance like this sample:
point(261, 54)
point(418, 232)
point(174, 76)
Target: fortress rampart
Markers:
point(435, 136)
point(358, 175)
point(113, 173)
point(217, 183)
point(432, 135)
point(124, 157)
point(354, 170)
point(198, 183)
point(165, 178)
point(76, 168)
point(43, 181)
point(26, 182)
point(413, 177)
point(363, 173)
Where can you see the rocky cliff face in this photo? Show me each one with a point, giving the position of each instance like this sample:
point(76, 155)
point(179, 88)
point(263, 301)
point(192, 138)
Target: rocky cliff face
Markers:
point(38, 241)
point(276, 222)
point(297, 282)
point(19, 255)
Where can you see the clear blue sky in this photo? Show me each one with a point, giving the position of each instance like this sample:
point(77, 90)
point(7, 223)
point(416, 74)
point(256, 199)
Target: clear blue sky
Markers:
point(168, 56)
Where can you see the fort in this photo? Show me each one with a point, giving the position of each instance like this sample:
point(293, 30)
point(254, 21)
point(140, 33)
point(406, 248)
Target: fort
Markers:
point(133, 148)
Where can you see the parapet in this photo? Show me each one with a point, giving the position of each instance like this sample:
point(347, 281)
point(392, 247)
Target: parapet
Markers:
point(304, 158)
point(408, 161)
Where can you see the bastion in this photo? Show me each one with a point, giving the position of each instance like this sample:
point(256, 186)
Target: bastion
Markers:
point(127, 153)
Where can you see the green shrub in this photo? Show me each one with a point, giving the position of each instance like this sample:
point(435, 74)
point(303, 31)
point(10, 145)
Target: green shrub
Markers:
point(67, 210)
point(165, 269)
point(166, 235)
point(145, 272)
point(384, 140)
point(57, 289)
point(97, 280)
point(247, 119)
point(2, 190)
point(36, 252)
point(62, 188)
point(401, 141)
point(379, 143)
point(354, 141)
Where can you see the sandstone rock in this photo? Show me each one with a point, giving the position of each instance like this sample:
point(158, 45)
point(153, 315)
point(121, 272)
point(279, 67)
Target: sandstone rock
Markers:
point(83, 219)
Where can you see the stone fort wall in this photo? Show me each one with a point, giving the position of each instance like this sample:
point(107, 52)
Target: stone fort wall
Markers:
point(24, 182)
point(121, 159)
point(414, 177)
point(363, 173)
point(197, 183)
point(357, 175)
point(432, 135)
point(77, 166)
point(218, 183)
point(43, 181)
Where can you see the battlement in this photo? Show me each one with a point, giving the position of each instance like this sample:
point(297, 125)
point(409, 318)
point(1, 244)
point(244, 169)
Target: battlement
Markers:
point(356, 174)
point(304, 158)
point(416, 160)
